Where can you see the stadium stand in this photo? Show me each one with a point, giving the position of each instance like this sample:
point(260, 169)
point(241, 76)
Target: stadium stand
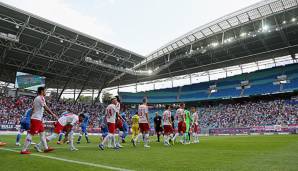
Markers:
point(261, 82)
point(241, 114)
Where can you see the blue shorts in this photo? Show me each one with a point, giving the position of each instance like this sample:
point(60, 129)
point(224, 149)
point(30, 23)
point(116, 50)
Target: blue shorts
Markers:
point(25, 126)
point(84, 129)
point(104, 131)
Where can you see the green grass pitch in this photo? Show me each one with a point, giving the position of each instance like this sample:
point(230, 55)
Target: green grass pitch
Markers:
point(214, 153)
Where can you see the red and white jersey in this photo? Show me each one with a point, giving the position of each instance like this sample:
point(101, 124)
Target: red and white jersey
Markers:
point(180, 114)
point(38, 108)
point(195, 118)
point(167, 117)
point(68, 118)
point(111, 111)
point(143, 109)
point(118, 107)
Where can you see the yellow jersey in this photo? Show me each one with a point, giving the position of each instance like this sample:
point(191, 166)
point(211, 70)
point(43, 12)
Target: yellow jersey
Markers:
point(135, 119)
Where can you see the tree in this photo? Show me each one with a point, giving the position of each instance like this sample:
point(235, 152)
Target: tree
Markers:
point(106, 97)
point(85, 99)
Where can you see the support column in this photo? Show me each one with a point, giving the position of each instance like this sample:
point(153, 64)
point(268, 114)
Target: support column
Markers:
point(99, 91)
point(64, 87)
point(82, 89)
point(92, 99)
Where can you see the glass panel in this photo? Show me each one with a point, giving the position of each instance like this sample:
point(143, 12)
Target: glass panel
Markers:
point(174, 45)
point(198, 35)
point(191, 38)
point(145, 86)
point(250, 67)
point(265, 10)
point(217, 74)
point(165, 50)
point(224, 25)
point(289, 3)
point(269, 63)
point(185, 41)
point(276, 6)
point(160, 53)
point(207, 31)
point(243, 18)
point(215, 28)
point(163, 84)
point(181, 81)
point(254, 14)
point(128, 89)
point(233, 21)
point(284, 60)
point(199, 77)
point(234, 70)
point(180, 43)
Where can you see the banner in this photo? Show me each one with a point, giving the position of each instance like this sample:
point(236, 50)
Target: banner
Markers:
point(8, 127)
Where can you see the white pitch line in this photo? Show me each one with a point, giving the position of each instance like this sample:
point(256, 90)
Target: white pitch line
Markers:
point(19, 148)
point(72, 161)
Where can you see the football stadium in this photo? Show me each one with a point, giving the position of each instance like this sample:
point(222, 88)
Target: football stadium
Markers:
point(221, 97)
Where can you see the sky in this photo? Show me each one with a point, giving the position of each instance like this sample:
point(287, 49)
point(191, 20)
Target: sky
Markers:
point(141, 26)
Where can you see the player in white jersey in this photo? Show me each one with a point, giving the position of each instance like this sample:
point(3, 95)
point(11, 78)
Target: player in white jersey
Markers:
point(195, 125)
point(36, 125)
point(180, 116)
point(167, 124)
point(143, 124)
point(111, 114)
point(119, 123)
point(66, 122)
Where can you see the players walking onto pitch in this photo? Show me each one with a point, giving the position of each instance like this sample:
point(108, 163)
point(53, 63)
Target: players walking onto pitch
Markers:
point(36, 127)
point(167, 124)
point(195, 125)
point(143, 124)
point(180, 115)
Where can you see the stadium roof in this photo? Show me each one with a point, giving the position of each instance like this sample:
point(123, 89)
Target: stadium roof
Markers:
point(71, 59)
point(264, 30)
point(32, 44)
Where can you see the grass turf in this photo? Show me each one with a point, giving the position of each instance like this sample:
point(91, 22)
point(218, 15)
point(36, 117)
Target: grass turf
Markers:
point(230, 153)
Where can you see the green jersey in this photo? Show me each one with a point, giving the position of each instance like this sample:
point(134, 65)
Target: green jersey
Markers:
point(187, 120)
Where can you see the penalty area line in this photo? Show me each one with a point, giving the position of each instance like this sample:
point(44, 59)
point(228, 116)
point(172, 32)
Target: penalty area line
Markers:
point(71, 161)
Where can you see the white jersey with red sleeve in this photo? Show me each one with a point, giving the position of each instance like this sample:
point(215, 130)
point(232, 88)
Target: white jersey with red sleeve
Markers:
point(68, 119)
point(167, 117)
point(180, 114)
point(142, 110)
point(111, 111)
point(38, 108)
point(195, 118)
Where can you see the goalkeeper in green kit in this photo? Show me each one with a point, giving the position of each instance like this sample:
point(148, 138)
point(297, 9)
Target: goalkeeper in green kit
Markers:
point(188, 121)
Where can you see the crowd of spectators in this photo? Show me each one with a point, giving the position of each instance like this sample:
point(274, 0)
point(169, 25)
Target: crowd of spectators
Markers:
point(227, 115)
point(11, 109)
point(249, 114)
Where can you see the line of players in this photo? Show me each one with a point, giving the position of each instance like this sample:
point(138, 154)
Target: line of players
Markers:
point(187, 124)
point(33, 123)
